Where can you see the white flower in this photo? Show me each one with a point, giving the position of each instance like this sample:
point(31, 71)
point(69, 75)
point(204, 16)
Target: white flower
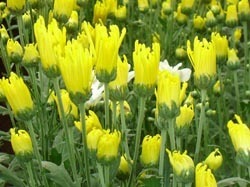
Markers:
point(184, 73)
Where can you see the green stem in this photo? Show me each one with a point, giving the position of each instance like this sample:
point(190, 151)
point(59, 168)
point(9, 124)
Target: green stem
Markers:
point(245, 34)
point(30, 174)
point(20, 29)
point(162, 155)
point(100, 173)
point(36, 152)
point(237, 93)
point(106, 175)
point(5, 58)
point(69, 142)
point(178, 143)
point(114, 125)
point(200, 126)
point(84, 139)
point(171, 132)
point(124, 131)
point(142, 101)
point(11, 115)
point(106, 100)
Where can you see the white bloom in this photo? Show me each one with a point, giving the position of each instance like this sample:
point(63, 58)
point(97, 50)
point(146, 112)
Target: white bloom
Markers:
point(184, 73)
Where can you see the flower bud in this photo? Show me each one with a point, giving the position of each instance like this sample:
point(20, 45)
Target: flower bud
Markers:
point(233, 61)
point(232, 16)
point(72, 24)
point(31, 56)
point(21, 144)
point(14, 51)
point(210, 19)
point(204, 176)
point(244, 10)
point(198, 23)
point(150, 150)
point(16, 6)
point(121, 13)
point(4, 34)
point(214, 160)
point(93, 138)
point(124, 168)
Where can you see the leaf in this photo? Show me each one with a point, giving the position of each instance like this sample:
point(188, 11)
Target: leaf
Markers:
point(10, 177)
point(232, 181)
point(58, 174)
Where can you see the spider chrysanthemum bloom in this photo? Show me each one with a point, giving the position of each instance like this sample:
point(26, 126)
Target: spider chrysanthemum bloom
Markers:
point(77, 65)
point(107, 44)
point(204, 176)
point(183, 165)
point(18, 96)
point(214, 159)
point(203, 60)
point(108, 146)
point(240, 136)
point(51, 42)
point(221, 46)
point(100, 12)
point(150, 150)
point(21, 143)
point(146, 62)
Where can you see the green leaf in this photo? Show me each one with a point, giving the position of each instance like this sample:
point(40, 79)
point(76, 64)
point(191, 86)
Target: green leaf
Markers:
point(233, 180)
point(58, 174)
point(10, 177)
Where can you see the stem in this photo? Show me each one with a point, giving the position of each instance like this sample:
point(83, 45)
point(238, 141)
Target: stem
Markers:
point(113, 126)
point(84, 139)
point(31, 175)
point(124, 130)
point(11, 115)
point(36, 152)
point(69, 142)
point(237, 93)
point(162, 155)
point(20, 29)
point(245, 33)
point(101, 176)
point(5, 58)
point(142, 101)
point(106, 100)
point(171, 132)
point(200, 127)
point(106, 175)
point(178, 143)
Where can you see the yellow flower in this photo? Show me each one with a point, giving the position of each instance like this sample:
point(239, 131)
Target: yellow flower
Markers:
point(31, 56)
point(18, 96)
point(186, 6)
point(50, 44)
point(146, 62)
point(168, 94)
point(204, 177)
point(221, 45)
point(233, 60)
point(107, 45)
point(111, 6)
point(77, 65)
point(100, 12)
point(143, 5)
point(210, 19)
point(124, 168)
point(92, 122)
point(232, 15)
point(198, 22)
point(185, 117)
point(203, 60)
point(217, 87)
point(237, 35)
point(121, 12)
point(244, 10)
point(16, 6)
point(166, 7)
point(108, 146)
point(21, 143)
point(150, 150)
point(70, 109)
point(4, 34)
point(240, 135)
point(183, 165)
point(179, 16)
point(93, 138)
point(118, 87)
point(26, 19)
point(72, 24)
point(62, 9)
point(214, 159)
point(14, 50)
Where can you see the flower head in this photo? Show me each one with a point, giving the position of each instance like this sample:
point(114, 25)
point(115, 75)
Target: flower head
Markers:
point(183, 165)
point(232, 15)
point(16, 6)
point(185, 117)
point(21, 143)
point(18, 96)
point(31, 56)
point(150, 150)
point(204, 176)
point(108, 146)
point(221, 45)
point(93, 138)
point(14, 50)
point(214, 159)
point(62, 9)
